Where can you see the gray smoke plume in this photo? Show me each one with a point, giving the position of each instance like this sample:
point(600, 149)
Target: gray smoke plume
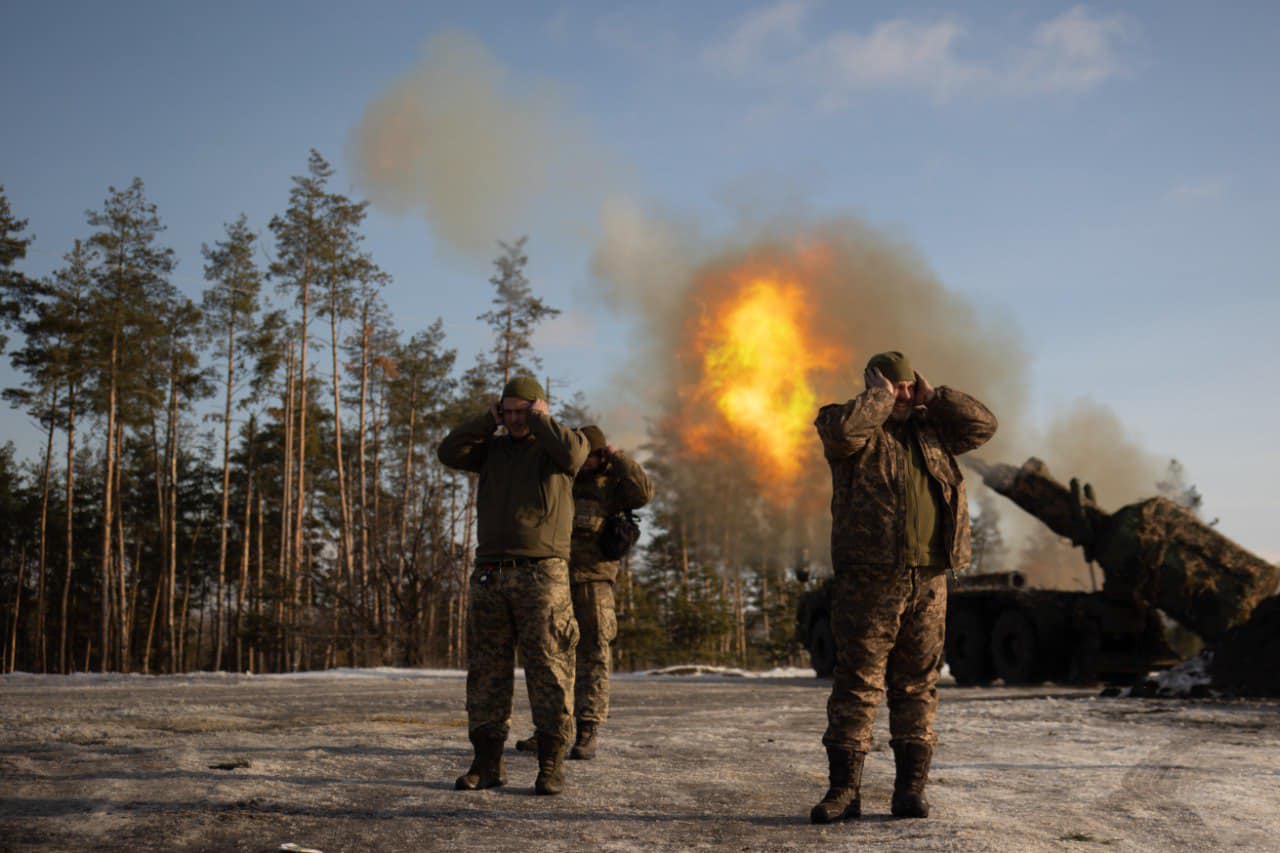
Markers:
point(479, 155)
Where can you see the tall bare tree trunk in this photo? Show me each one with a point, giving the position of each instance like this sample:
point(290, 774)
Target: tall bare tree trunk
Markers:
point(362, 448)
point(255, 650)
point(246, 535)
point(226, 494)
point(344, 503)
point(65, 663)
point(151, 624)
point(41, 644)
point(12, 657)
point(122, 611)
point(108, 507)
point(285, 556)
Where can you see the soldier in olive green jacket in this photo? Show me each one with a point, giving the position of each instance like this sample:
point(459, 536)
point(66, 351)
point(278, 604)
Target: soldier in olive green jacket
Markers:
point(610, 482)
point(519, 591)
point(899, 521)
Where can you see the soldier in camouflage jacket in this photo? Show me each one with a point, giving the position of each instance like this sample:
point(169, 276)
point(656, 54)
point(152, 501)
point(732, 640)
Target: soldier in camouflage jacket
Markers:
point(900, 520)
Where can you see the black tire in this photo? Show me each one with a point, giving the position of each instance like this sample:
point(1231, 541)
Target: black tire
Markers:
point(1014, 648)
point(968, 651)
point(822, 647)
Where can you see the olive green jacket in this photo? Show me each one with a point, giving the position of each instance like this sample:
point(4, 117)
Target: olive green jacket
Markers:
point(524, 504)
point(620, 484)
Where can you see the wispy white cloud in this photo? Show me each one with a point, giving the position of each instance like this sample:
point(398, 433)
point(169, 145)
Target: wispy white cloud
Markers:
point(776, 46)
point(776, 27)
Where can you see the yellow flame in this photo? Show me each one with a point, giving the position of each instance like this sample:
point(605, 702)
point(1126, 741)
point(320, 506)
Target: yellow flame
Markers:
point(757, 356)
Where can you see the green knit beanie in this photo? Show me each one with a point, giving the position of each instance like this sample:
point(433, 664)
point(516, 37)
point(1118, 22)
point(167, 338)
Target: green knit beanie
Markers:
point(524, 388)
point(594, 437)
point(893, 365)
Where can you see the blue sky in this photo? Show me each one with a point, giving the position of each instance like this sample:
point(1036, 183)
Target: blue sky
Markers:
point(1105, 176)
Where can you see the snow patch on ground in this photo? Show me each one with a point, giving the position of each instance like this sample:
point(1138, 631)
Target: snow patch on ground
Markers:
point(1189, 679)
point(705, 671)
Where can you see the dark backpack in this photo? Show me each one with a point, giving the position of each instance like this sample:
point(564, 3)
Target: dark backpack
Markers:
point(619, 534)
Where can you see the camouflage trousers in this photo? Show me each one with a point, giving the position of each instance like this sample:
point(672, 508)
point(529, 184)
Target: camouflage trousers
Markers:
point(526, 605)
point(593, 606)
point(888, 625)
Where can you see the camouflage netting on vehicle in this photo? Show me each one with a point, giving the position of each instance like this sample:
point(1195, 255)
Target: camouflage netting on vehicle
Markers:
point(1169, 558)
point(1246, 661)
point(1152, 551)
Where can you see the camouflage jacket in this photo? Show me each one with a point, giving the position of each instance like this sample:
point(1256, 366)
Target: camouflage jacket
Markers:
point(620, 484)
point(868, 505)
point(524, 500)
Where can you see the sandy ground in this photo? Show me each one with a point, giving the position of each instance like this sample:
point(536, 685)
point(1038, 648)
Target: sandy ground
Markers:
point(367, 762)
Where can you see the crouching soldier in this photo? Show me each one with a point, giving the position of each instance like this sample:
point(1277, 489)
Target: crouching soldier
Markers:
point(899, 521)
point(609, 482)
point(519, 590)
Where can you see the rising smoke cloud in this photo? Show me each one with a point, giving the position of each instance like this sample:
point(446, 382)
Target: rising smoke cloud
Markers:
point(479, 154)
point(872, 293)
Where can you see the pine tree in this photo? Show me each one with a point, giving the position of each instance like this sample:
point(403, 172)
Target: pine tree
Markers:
point(575, 411)
point(515, 315)
point(130, 273)
point(230, 309)
point(13, 284)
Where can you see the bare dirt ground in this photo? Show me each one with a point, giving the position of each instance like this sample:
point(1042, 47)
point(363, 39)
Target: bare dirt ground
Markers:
point(367, 762)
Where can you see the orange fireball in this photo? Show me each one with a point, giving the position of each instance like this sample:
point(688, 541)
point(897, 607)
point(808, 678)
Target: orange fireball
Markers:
point(753, 354)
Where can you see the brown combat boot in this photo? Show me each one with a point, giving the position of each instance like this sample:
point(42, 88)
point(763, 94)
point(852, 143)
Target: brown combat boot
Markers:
point(912, 760)
point(550, 765)
point(842, 800)
point(529, 744)
point(487, 770)
point(584, 747)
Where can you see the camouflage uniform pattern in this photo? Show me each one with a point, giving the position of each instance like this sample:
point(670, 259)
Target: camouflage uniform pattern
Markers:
point(526, 605)
point(888, 625)
point(598, 624)
point(889, 617)
point(867, 467)
point(620, 484)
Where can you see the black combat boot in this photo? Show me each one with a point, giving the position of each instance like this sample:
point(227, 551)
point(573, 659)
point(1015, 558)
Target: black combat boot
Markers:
point(550, 765)
point(584, 747)
point(842, 800)
point(912, 760)
point(529, 744)
point(487, 770)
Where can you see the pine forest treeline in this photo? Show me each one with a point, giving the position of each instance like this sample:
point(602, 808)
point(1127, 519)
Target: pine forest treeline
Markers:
point(248, 481)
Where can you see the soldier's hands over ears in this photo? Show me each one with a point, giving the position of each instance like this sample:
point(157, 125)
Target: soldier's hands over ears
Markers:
point(540, 406)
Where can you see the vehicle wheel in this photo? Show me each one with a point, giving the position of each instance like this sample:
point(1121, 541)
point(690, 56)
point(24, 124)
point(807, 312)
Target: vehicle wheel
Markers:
point(1014, 648)
point(968, 649)
point(822, 648)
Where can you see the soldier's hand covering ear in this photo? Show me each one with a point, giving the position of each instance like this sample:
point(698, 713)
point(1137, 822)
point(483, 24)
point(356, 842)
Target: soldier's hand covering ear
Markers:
point(540, 406)
point(873, 378)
